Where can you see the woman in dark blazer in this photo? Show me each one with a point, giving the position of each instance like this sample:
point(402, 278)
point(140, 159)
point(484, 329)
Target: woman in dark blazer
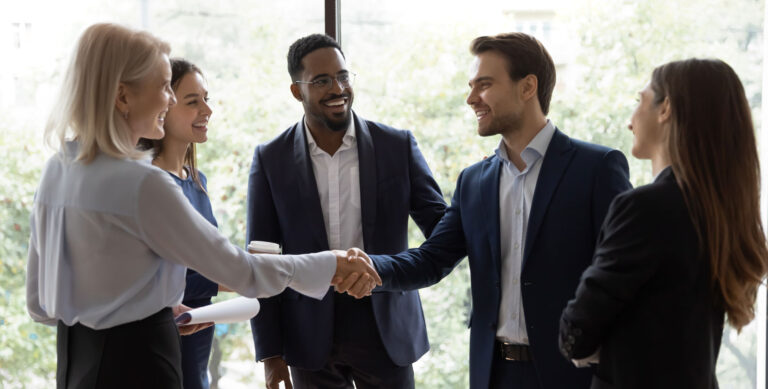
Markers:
point(677, 256)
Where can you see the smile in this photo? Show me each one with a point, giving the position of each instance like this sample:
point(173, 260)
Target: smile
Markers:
point(335, 102)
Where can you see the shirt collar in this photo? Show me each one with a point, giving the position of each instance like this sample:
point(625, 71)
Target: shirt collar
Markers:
point(536, 148)
point(350, 137)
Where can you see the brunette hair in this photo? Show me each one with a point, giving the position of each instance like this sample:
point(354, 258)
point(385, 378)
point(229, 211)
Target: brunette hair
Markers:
point(713, 153)
point(525, 55)
point(179, 68)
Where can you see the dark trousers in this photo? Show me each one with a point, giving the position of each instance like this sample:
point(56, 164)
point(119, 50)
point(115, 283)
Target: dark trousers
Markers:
point(140, 354)
point(513, 374)
point(358, 354)
point(195, 352)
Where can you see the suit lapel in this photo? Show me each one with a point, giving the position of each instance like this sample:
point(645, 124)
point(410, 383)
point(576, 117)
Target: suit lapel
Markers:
point(367, 168)
point(556, 161)
point(489, 190)
point(313, 212)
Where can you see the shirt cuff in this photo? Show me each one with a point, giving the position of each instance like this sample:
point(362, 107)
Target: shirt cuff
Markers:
point(312, 273)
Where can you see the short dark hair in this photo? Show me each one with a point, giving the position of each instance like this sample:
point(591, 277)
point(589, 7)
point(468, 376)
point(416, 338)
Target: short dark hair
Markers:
point(304, 46)
point(525, 55)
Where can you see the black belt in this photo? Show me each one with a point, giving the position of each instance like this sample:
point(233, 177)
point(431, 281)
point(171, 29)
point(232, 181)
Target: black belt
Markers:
point(513, 352)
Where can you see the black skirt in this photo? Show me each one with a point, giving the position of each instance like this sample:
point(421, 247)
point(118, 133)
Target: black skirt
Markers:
point(139, 354)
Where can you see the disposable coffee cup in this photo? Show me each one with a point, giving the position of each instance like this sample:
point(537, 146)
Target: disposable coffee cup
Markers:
point(261, 247)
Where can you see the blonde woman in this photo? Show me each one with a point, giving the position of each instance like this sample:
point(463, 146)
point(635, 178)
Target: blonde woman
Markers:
point(677, 256)
point(111, 235)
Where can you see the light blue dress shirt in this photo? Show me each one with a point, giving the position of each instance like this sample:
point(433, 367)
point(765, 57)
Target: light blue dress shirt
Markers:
point(516, 189)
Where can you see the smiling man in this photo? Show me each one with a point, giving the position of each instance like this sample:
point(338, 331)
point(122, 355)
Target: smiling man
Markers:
point(527, 217)
point(336, 180)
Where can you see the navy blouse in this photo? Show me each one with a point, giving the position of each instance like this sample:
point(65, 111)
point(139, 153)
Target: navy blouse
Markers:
point(199, 289)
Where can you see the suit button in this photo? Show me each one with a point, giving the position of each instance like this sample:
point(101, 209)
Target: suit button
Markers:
point(571, 339)
point(568, 347)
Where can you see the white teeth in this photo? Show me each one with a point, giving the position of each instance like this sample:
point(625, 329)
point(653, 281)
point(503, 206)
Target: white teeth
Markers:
point(481, 113)
point(335, 103)
point(199, 125)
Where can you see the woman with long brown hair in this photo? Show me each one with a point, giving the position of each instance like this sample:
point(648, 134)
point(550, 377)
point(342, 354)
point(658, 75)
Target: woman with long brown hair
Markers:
point(186, 124)
point(679, 255)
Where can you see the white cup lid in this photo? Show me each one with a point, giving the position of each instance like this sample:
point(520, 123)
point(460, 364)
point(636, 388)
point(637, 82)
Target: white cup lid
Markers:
point(264, 247)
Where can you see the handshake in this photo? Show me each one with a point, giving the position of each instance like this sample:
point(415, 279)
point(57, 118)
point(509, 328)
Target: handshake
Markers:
point(354, 273)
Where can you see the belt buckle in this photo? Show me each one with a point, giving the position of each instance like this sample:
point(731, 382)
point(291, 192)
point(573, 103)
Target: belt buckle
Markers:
point(506, 352)
point(513, 352)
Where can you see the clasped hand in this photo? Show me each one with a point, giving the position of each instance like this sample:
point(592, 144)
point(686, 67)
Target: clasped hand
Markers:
point(354, 273)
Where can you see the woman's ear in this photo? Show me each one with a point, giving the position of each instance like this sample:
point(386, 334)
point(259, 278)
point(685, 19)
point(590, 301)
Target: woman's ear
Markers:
point(121, 100)
point(665, 111)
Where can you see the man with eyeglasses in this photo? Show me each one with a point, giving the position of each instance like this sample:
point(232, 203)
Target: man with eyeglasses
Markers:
point(331, 181)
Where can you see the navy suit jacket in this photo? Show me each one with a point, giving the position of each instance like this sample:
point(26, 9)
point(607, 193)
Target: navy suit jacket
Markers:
point(284, 207)
point(576, 184)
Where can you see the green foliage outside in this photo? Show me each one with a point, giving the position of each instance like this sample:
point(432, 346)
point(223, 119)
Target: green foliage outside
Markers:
point(410, 75)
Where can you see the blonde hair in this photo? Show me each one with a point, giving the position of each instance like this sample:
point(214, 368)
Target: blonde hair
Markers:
point(713, 153)
point(105, 56)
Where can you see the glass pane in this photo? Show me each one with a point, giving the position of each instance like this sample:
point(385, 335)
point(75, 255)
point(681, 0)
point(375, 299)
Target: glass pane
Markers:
point(412, 60)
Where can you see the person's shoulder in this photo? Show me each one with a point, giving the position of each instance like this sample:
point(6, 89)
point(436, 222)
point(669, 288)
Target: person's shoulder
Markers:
point(203, 178)
point(661, 198)
point(590, 148)
point(381, 129)
point(478, 166)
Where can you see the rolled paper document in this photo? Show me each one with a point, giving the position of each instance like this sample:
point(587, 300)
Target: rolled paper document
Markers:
point(261, 247)
point(231, 311)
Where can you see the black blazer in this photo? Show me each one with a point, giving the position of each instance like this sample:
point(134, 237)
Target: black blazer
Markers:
point(647, 301)
point(284, 207)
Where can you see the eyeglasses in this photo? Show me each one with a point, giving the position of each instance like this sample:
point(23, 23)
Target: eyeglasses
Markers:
point(326, 82)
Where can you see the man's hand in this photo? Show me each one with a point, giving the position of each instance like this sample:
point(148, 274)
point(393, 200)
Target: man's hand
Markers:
point(355, 273)
point(188, 329)
point(276, 370)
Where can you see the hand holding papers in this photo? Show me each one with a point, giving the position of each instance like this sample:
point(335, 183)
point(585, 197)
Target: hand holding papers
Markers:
point(231, 311)
point(355, 273)
point(181, 309)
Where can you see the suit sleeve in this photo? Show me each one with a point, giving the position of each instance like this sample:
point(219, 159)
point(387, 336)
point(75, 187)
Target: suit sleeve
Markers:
point(262, 224)
point(612, 178)
point(199, 287)
point(624, 261)
point(433, 260)
point(427, 205)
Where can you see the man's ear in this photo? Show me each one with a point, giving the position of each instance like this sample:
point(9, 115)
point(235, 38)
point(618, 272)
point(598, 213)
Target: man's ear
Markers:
point(121, 100)
point(665, 111)
point(530, 87)
point(296, 92)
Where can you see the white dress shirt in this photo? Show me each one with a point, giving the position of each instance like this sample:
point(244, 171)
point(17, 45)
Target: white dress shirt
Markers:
point(110, 242)
point(338, 185)
point(516, 189)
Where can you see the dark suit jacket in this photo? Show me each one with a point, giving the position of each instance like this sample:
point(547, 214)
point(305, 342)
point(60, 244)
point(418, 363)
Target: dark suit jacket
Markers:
point(284, 207)
point(577, 182)
point(647, 301)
